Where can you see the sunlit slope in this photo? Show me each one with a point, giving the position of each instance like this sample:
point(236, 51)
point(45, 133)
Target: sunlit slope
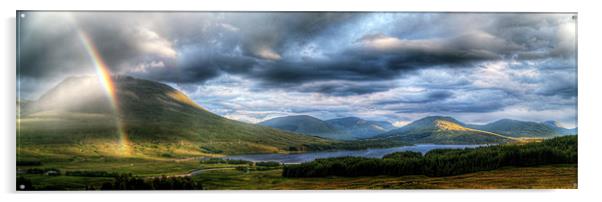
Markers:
point(76, 119)
point(443, 130)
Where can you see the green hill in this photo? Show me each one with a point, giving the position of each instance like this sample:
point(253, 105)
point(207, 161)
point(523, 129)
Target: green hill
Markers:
point(76, 119)
point(559, 128)
point(304, 124)
point(348, 128)
point(516, 128)
point(443, 130)
point(358, 128)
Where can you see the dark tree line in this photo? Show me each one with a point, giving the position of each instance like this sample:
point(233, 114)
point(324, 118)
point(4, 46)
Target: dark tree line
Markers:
point(130, 182)
point(28, 163)
point(224, 161)
point(351, 145)
point(85, 173)
point(41, 171)
point(122, 182)
point(268, 163)
point(443, 162)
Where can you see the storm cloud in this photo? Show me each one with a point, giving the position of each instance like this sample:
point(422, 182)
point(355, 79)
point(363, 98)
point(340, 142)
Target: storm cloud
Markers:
point(386, 66)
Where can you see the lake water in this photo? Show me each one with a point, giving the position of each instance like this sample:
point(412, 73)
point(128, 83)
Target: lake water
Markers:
point(370, 153)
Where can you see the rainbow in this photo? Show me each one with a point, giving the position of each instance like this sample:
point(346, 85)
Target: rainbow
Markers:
point(104, 76)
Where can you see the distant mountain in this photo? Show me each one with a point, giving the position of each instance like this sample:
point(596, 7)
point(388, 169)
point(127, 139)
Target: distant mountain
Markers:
point(158, 119)
point(303, 124)
point(559, 128)
point(347, 128)
point(552, 123)
point(442, 130)
point(360, 128)
point(516, 128)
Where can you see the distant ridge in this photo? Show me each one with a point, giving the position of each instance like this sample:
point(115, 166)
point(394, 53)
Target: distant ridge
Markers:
point(303, 124)
point(359, 128)
point(347, 128)
point(516, 128)
point(559, 128)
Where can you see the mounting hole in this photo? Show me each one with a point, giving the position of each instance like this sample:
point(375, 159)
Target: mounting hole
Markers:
point(22, 187)
point(22, 15)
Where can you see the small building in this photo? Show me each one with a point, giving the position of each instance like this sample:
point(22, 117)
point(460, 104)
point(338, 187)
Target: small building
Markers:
point(52, 173)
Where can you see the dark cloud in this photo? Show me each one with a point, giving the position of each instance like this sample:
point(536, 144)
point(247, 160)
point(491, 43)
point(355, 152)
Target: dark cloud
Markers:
point(456, 108)
point(208, 44)
point(418, 99)
point(47, 51)
point(344, 88)
point(559, 84)
point(451, 57)
point(453, 107)
point(444, 102)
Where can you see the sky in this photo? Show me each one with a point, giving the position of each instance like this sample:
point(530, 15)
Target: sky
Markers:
point(396, 67)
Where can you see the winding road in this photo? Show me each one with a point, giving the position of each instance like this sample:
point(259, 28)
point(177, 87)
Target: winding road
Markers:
point(199, 171)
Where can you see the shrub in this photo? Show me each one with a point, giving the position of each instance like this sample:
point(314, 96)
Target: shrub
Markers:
point(268, 163)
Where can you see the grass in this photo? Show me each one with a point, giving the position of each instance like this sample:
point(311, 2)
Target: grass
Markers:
point(140, 167)
point(66, 182)
point(167, 132)
point(88, 136)
point(224, 177)
point(542, 177)
point(159, 121)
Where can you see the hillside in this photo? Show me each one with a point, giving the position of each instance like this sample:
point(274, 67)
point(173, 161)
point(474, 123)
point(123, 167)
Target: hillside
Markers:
point(359, 128)
point(304, 124)
point(77, 118)
point(560, 129)
point(516, 128)
point(348, 128)
point(442, 130)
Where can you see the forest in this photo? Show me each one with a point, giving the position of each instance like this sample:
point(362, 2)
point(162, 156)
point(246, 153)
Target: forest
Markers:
point(443, 162)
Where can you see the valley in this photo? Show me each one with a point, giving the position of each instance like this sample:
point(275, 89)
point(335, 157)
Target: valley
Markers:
point(561, 176)
point(149, 129)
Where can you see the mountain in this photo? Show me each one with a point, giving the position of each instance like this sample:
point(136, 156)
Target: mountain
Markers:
point(304, 124)
point(348, 128)
point(77, 118)
point(553, 123)
point(359, 128)
point(516, 128)
point(559, 128)
point(442, 130)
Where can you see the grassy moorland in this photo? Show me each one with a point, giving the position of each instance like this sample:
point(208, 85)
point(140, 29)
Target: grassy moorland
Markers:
point(228, 177)
point(547, 164)
point(562, 176)
point(155, 120)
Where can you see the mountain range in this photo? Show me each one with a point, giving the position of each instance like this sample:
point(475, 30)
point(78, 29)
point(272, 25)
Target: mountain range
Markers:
point(432, 129)
point(348, 128)
point(516, 128)
point(76, 118)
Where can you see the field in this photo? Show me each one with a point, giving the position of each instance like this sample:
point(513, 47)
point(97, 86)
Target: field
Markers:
point(226, 177)
point(561, 176)
point(547, 164)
